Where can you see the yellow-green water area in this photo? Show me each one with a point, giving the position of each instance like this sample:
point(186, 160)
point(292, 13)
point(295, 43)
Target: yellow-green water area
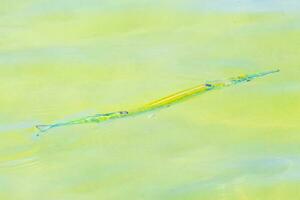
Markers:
point(61, 60)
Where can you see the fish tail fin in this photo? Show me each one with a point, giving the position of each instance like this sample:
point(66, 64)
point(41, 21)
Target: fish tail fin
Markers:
point(43, 128)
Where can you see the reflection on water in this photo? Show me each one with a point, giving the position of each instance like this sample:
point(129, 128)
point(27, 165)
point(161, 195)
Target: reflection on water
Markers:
point(67, 59)
point(21, 162)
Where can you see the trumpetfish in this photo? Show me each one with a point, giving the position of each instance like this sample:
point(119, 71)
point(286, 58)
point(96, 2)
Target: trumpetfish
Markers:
point(161, 103)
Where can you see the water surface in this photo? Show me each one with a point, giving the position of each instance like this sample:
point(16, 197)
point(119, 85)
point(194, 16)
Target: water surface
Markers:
point(65, 59)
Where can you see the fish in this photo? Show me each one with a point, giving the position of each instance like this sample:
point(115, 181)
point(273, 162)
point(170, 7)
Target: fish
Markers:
point(97, 118)
point(162, 102)
point(200, 89)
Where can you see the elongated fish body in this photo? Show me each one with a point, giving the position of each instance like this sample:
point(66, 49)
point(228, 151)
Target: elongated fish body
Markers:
point(200, 89)
point(89, 119)
point(161, 103)
point(171, 99)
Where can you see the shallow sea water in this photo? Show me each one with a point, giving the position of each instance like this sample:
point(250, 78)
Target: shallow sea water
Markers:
point(61, 60)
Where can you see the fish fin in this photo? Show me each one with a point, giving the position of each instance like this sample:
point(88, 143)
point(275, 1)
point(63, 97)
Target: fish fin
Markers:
point(43, 128)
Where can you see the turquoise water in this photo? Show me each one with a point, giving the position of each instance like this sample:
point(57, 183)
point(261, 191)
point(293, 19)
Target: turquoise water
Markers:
point(66, 59)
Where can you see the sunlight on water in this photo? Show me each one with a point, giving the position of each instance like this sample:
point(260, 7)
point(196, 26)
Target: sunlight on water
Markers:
point(62, 60)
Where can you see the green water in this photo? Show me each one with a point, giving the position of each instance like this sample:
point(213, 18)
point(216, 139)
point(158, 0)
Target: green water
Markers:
point(65, 59)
